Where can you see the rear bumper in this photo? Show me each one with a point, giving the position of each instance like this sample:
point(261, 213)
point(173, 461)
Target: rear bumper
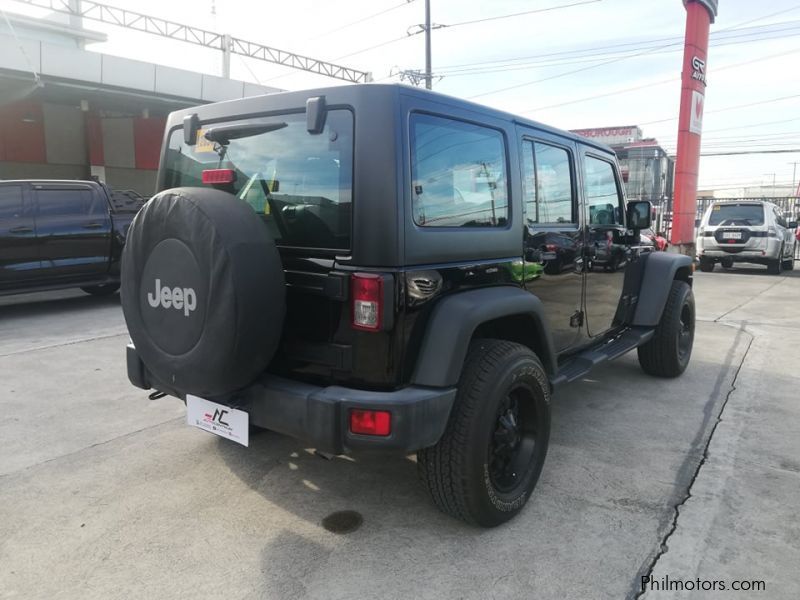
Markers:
point(320, 415)
point(763, 249)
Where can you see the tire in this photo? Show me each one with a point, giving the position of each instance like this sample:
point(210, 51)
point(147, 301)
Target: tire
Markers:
point(500, 419)
point(203, 291)
point(667, 353)
point(706, 266)
point(727, 263)
point(788, 264)
point(775, 267)
point(105, 289)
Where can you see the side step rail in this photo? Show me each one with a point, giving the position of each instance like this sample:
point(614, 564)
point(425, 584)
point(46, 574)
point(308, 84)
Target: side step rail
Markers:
point(583, 362)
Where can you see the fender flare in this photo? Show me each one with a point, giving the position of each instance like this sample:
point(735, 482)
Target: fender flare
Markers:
point(454, 320)
point(660, 271)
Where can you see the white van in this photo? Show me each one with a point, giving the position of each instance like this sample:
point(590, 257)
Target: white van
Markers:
point(746, 231)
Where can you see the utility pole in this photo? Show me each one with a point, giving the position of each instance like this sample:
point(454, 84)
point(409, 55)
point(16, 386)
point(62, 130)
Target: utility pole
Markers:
point(794, 176)
point(428, 72)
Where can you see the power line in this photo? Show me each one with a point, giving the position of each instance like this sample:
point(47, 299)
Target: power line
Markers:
point(662, 82)
point(361, 20)
point(768, 101)
point(793, 150)
point(386, 43)
point(738, 138)
point(557, 59)
point(615, 60)
point(345, 26)
point(519, 14)
point(779, 121)
point(452, 25)
point(592, 50)
point(559, 75)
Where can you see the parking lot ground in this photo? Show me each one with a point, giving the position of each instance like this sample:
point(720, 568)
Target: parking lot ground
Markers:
point(106, 494)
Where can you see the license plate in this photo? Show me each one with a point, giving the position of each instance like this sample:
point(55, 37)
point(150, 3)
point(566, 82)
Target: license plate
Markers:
point(731, 235)
point(218, 419)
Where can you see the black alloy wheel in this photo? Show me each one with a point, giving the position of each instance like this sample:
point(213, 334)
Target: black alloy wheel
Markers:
point(513, 442)
point(484, 467)
point(667, 353)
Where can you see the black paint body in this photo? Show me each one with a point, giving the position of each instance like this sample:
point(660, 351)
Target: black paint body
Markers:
point(423, 265)
point(59, 234)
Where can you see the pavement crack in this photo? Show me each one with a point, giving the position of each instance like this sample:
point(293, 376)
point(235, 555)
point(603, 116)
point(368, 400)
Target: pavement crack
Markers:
point(749, 300)
point(91, 446)
point(636, 590)
point(69, 343)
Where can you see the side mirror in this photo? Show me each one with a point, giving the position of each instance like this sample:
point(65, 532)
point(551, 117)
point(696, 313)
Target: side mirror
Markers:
point(639, 214)
point(792, 224)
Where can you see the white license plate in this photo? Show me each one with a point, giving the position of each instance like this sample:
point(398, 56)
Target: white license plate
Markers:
point(731, 235)
point(218, 419)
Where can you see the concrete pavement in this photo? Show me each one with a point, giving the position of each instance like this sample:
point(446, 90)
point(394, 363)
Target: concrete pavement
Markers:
point(106, 494)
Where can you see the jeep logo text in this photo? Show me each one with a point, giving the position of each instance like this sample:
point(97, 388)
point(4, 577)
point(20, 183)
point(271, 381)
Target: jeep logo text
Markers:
point(178, 298)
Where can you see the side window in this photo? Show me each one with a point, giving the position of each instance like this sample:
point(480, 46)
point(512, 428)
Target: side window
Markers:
point(602, 197)
point(779, 218)
point(10, 201)
point(458, 173)
point(547, 184)
point(66, 202)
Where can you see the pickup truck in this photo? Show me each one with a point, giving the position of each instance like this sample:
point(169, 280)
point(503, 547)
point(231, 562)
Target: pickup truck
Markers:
point(62, 234)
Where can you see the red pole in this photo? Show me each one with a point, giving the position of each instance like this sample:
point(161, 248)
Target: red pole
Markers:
point(699, 16)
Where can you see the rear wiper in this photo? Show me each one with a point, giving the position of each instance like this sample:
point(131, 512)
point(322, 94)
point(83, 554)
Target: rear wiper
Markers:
point(225, 133)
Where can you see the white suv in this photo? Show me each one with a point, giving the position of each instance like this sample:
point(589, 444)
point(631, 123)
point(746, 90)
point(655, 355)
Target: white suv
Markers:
point(746, 231)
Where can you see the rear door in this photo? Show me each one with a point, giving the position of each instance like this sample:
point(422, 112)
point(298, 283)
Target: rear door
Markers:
point(73, 227)
point(19, 253)
point(553, 238)
point(301, 186)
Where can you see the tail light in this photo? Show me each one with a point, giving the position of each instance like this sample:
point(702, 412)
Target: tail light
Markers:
point(367, 297)
point(370, 422)
point(218, 176)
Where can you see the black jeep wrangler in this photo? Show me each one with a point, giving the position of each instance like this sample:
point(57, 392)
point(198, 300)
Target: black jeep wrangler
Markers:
point(383, 268)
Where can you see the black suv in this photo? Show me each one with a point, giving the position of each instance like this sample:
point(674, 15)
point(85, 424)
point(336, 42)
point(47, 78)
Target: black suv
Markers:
point(378, 267)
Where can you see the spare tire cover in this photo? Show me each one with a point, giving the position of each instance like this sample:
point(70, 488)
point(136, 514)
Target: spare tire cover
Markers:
point(202, 291)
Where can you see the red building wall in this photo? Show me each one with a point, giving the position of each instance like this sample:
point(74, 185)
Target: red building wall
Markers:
point(22, 133)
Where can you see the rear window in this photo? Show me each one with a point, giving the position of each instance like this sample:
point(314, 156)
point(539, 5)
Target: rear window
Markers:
point(300, 184)
point(736, 214)
point(459, 174)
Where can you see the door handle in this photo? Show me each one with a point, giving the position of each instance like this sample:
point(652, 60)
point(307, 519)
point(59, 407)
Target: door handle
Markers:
point(94, 225)
point(21, 229)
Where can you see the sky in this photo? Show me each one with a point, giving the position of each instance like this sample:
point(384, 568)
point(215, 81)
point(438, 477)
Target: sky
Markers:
point(576, 64)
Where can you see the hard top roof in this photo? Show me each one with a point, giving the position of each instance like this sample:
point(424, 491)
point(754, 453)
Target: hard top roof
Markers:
point(340, 94)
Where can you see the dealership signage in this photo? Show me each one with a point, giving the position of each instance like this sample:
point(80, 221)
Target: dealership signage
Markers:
point(610, 132)
point(699, 69)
